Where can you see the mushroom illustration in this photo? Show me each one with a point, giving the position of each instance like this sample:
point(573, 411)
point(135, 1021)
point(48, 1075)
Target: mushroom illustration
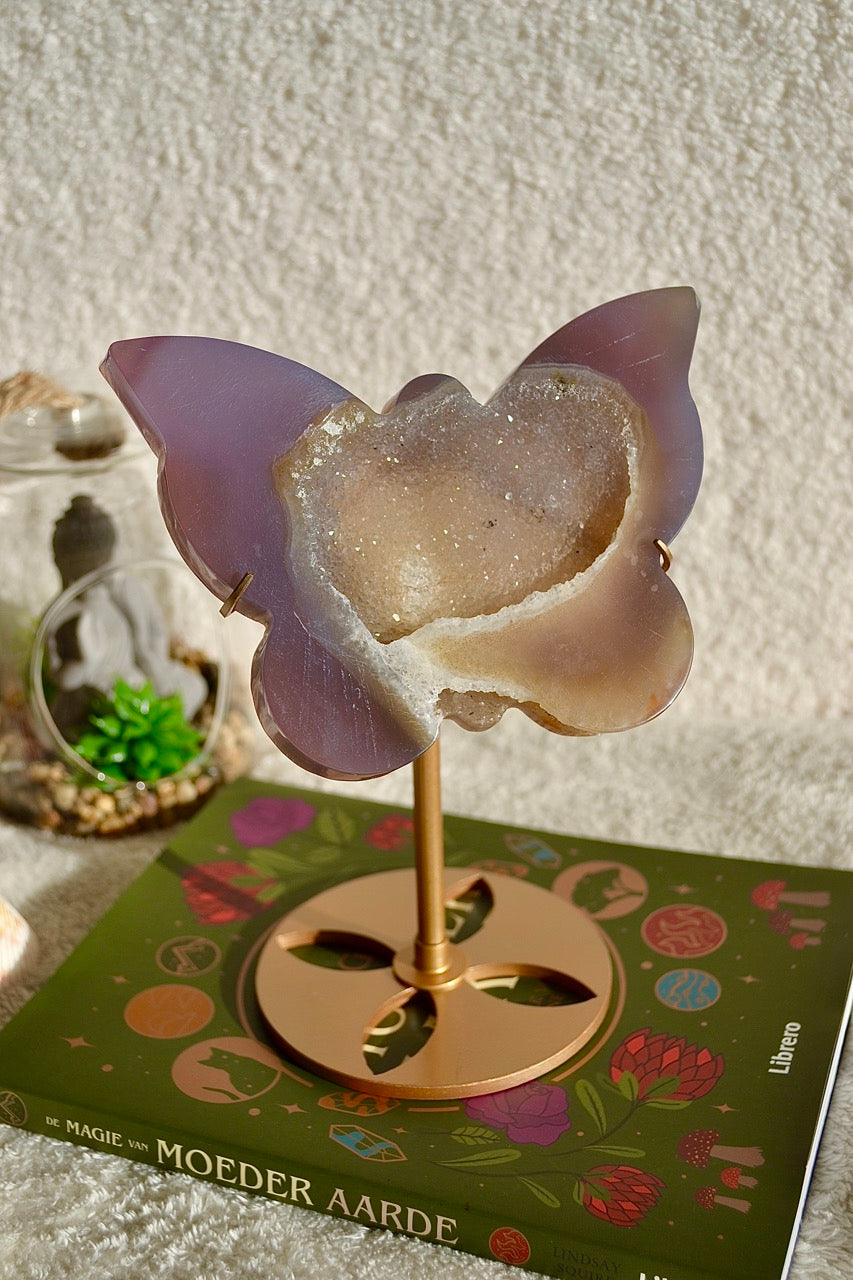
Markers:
point(783, 922)
point(770, 893)
point(780, 921)
point(735, 1177)
point(700, 1146)
point(800, 940)
point(709, 1199)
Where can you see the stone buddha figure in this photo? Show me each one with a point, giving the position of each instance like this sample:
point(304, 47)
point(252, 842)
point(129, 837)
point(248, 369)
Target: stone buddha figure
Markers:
point(114, 630)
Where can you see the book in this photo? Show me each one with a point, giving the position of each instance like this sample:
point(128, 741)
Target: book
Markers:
point(679, 1142)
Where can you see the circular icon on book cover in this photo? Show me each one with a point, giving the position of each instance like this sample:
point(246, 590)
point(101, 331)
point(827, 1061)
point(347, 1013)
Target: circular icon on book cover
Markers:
point(605, 890)
point(227, 1069)
point(509, 1245)
point(12, 1108)
point(684, 930)
point(688, 990)
point(169, 1012)
point(189, 956)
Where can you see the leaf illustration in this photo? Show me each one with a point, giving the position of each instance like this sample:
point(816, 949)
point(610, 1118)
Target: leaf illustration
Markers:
point(670, 1104)
point(472, 1135)
point(503, 1155)
point(605, 1083)
point(660, 1088)
point(324, 853)
point(623, 1153)
point(577, 1193)
point(628, 1086)
point(270, 893)
point(590, 1099)
point(335, 826)
point(541, 1193)
point(271, 863)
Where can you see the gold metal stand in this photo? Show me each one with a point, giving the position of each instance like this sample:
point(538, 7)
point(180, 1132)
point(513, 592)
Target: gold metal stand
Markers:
point(472, 1043)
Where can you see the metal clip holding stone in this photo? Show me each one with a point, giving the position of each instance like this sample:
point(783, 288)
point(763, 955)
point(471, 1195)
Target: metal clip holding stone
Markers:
point(664, 553)
point(230, 604)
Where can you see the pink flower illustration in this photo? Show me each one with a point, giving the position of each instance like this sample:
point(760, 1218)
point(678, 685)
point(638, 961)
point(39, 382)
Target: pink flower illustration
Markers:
point(533, 1112)
point(267, 819)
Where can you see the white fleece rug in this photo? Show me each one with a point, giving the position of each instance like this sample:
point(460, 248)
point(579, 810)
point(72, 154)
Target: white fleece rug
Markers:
point(754, 790)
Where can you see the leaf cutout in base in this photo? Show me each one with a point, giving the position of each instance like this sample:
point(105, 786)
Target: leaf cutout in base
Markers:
point(543, 989)
point(465, 914)
point(347, 953)
point(401, 1034)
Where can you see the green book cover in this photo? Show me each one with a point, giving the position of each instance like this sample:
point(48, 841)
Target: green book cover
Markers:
point(679, 1142)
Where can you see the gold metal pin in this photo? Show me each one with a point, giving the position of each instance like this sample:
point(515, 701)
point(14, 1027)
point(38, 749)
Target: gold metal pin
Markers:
point(229, 605)
point(664, 553)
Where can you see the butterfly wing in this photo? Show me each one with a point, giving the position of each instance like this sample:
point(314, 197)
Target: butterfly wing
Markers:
point(625, 645)
point(645, 342)
point(218, 415)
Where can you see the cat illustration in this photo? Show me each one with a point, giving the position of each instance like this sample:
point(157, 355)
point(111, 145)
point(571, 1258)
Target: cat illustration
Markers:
point(246, 1077)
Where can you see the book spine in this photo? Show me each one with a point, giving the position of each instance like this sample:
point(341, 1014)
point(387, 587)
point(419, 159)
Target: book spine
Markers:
point(366, 1202)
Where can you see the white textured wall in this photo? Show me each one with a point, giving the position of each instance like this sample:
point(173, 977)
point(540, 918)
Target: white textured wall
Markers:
point(381, 189)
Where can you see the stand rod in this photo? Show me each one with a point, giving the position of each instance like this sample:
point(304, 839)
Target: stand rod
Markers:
point(432, 948)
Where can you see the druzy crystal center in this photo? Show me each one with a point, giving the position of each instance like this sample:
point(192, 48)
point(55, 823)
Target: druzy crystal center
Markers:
point(446, 508)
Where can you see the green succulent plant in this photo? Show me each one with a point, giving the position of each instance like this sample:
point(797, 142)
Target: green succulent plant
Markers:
point(137, 736)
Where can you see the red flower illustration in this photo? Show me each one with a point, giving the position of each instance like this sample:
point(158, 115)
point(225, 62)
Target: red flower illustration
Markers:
point(224, 892)
point(654, 1057)
point(620, 1194)
point(391, 832)
point(533, 1112)
point(267, 819)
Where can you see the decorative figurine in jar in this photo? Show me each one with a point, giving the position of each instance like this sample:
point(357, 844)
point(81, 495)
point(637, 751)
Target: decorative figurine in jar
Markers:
point(116, 705)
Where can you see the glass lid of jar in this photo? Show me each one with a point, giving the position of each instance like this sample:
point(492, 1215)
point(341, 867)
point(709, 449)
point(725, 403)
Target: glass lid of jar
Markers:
point(88, 436)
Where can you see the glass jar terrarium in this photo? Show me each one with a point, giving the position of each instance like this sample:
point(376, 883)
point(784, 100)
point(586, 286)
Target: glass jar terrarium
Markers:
point(116, 705)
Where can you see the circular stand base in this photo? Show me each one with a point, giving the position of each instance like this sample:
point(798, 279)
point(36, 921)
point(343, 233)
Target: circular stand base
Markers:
point(473, 1043)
